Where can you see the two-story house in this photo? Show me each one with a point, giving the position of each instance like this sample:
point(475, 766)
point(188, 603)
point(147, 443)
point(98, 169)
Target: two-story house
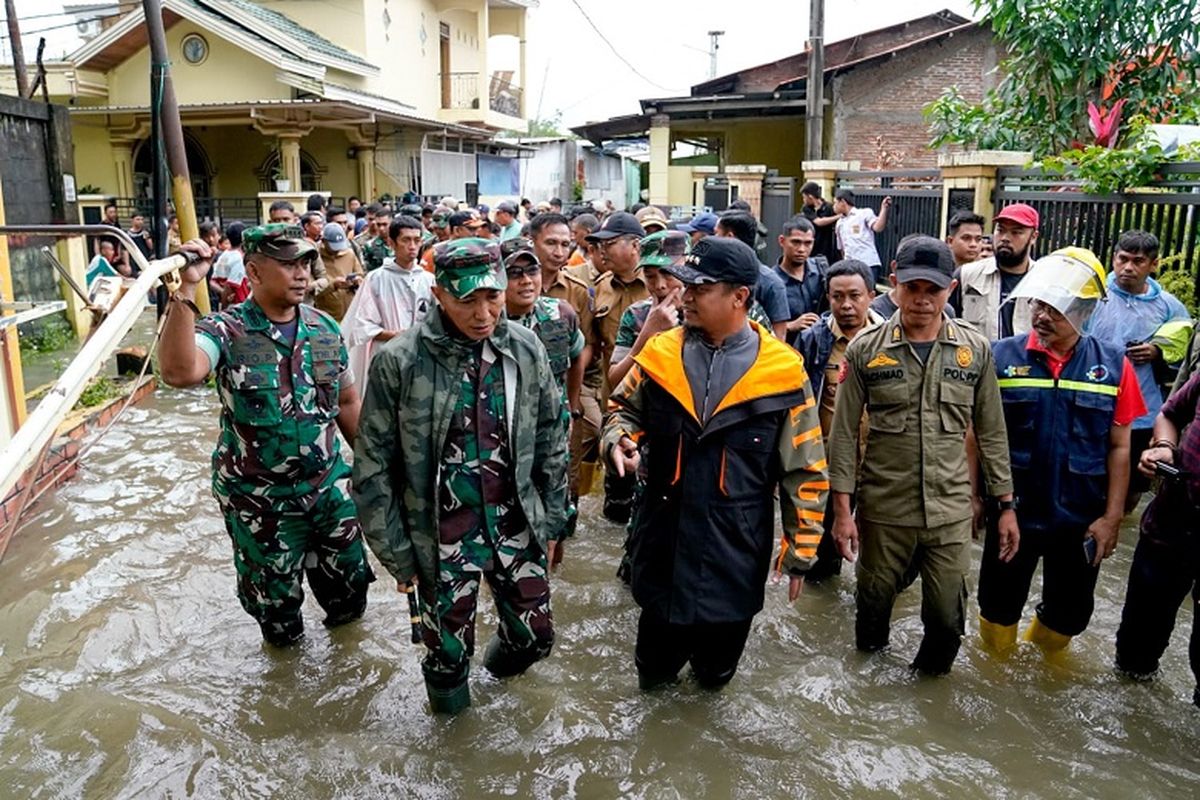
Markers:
point(361, 97)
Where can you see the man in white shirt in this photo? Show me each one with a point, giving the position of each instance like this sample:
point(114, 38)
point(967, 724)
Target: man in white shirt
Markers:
point(390, 300)
point(856, 231)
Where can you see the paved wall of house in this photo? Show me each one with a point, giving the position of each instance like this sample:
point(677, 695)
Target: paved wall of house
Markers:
point(879, 106)
point(35, 151)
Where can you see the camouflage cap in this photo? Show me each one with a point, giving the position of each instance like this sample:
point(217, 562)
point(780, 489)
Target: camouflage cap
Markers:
point(664, 249)
point(517, 244)
point(411, 210)
point(462, 266)
point(282, 241)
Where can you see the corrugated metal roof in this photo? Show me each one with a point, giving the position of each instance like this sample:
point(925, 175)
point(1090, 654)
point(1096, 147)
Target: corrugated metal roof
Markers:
point(275, 20)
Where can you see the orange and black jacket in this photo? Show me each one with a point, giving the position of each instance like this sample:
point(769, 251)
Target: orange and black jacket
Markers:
point(704, 534)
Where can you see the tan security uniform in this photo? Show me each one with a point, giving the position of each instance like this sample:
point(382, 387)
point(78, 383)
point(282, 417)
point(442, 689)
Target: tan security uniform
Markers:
point(914, 491)
point(585, 431)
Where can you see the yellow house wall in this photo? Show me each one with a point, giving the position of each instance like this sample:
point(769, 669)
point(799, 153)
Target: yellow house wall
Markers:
point(93, 154)
point(344, 23)
point(777, 143)
point(679, 186)
point(228, 74)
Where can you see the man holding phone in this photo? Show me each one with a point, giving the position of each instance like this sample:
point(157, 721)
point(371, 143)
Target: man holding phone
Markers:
point(1068, 400)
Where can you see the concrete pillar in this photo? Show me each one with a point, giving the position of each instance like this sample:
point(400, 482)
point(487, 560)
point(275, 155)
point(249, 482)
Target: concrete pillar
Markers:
point(660, 159)
point(289, 159)
point(748, 178)
point(122, 153)
point(521, 57)
point(976, 171)
point(365, 156)
point(824, 174)
point(484, 84)
point(12, 393)
point(72, 254)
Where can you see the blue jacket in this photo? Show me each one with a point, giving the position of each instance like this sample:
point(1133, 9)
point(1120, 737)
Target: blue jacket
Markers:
point(1058, 430)
point(815, 344)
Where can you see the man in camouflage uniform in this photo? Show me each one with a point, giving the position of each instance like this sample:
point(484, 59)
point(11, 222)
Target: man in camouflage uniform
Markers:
point(557, 325)
point(460, 471)
point(375, 250)
point(279, 476)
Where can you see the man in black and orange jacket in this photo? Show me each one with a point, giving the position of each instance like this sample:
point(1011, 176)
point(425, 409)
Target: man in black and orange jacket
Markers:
point(722, 413)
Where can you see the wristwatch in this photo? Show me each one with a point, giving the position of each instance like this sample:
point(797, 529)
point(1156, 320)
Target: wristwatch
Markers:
point(1006, 505)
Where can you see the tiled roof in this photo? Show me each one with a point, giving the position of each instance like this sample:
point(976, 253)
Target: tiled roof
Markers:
point(273, 20)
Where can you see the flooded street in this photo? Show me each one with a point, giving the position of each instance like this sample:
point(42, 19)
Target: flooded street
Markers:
point(128, 669)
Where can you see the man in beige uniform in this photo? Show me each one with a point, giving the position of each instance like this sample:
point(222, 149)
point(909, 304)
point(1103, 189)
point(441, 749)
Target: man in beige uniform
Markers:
point(925, 381)
point(622, 285)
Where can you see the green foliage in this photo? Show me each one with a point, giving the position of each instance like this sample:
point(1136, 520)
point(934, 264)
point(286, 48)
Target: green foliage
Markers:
point(1101, 170)
point(551, 126)
point(87, 188)
point(46, 336)
point(577, 191)
point(1063, 54)
point(99, 391)
point(1182, 284)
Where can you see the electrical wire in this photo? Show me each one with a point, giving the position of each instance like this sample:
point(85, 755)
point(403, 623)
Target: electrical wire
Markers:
point(616, 53)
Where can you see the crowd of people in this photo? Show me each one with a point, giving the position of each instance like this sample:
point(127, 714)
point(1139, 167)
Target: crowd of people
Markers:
point(487, 366)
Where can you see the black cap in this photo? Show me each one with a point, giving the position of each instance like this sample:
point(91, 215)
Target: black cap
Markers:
point(465, 218)
point(506, 207)
point(621, 223)
point(924, 258)
point(717, 260)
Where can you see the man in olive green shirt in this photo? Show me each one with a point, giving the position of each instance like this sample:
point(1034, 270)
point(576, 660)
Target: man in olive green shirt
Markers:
point(925, 382)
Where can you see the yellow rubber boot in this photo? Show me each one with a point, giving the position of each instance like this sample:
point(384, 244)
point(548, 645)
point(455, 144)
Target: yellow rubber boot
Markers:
point(1050, 640)
point(587, 477)
point(998, 639)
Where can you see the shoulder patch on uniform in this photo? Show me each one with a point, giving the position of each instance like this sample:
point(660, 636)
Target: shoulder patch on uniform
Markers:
point(882, 360)
point(964, 356)
point(843, 371)
point(896, 334)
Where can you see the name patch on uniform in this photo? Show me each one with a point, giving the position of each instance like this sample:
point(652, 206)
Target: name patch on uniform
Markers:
point(882, 360)
point(956, 374)
point(881, 375)
point(1014, 371)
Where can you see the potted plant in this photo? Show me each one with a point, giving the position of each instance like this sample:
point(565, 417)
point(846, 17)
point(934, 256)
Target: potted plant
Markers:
point(282, 182)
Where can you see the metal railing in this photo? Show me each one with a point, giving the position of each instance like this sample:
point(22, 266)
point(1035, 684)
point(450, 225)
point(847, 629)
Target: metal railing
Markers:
point(462, 90)
point(916, 202)
point(1169, 208)
point(223, 210)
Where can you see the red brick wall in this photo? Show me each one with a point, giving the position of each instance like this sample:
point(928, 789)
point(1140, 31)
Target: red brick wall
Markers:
point(886, 99)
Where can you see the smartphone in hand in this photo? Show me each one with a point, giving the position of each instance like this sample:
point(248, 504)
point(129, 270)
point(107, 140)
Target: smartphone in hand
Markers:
point(1089, 550)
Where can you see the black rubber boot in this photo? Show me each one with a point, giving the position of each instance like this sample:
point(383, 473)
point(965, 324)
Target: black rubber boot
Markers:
point(448, 699)
point(282, 634)
point(342, 616)
point(504, 663)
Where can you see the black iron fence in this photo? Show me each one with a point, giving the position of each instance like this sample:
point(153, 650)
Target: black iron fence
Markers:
point(916, 202)
point(1169, 208)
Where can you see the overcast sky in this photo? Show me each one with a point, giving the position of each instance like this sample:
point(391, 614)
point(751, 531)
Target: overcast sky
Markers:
point(573, 70)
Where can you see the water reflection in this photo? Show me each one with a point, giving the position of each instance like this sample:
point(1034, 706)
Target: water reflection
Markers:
point(127, 669)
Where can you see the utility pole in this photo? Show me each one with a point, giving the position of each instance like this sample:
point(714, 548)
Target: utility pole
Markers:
point(172, 133)
point(18, 52)
point(814, 91)
point(713, 43)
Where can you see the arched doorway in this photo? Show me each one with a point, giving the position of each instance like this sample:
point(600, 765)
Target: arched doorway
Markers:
point(311, 173)
point(199, 169)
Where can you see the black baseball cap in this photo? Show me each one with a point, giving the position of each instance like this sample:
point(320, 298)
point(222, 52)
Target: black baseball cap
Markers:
point(717, 260)
point(622, 223)
point(467, 219)
point(924, 258)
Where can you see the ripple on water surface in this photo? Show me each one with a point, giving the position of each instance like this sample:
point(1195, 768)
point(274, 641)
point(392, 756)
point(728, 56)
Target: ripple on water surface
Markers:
point(129, 670)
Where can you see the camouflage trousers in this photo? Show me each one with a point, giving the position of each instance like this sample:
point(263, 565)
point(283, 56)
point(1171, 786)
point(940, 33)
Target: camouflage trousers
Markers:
point(521, 591)
point(277, 541)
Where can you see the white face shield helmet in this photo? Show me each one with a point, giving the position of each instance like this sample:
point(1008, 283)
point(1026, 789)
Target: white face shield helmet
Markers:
point(1071, 281)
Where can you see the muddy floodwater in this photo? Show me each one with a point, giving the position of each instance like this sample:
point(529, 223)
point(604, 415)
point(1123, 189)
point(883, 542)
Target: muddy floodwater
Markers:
point(128, 670)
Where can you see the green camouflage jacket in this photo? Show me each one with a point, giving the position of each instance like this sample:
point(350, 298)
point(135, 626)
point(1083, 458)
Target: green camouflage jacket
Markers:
point(414, 385)
point(374, 252)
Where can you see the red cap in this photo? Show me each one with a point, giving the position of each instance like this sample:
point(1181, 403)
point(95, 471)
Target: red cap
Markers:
point(1021, 214)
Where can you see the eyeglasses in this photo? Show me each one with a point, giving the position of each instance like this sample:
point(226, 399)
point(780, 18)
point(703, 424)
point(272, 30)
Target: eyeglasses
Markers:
point(517, 273)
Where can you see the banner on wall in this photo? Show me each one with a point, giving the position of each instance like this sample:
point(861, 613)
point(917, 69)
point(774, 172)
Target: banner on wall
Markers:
point(498, 175)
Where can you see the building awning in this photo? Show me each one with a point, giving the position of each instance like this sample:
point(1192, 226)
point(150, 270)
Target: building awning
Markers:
point(320, 112)
point(680, 110)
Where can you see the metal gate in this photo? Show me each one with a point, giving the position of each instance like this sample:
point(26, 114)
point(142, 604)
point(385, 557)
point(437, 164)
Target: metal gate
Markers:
point(778, 206)
point(916, 203)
